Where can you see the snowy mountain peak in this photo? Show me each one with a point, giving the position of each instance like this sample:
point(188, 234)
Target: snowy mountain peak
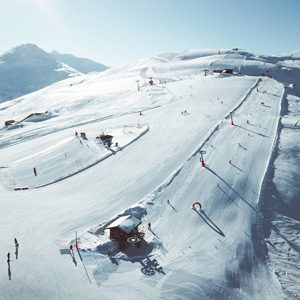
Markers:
point(25, 54)
point(27, 68)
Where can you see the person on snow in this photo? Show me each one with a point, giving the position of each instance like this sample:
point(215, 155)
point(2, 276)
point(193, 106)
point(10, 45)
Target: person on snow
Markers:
point(17, 248)
point(149, 226)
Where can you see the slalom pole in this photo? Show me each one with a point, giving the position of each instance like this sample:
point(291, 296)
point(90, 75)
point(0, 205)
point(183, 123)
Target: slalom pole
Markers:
point(231, 119)
point(76, 242)
point(201, 158)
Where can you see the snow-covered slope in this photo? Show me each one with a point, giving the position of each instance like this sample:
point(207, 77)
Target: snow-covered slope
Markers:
point(73, 184)
point(27, 68)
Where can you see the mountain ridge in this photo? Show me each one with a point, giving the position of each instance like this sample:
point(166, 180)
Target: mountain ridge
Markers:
point(27, 68)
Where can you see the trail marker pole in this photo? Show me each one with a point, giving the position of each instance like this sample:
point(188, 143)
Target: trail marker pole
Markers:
point(76, 242)
point(201, 158)
point(231, 118)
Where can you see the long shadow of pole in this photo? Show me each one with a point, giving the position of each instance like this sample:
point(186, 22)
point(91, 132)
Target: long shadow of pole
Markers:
point(172, 206)
point(236, 167)
point(73, 257)
point(209, 222)
point(261, 134)
point(150, 229)
point(227, 195)
point(231, 188)
point(83, 265)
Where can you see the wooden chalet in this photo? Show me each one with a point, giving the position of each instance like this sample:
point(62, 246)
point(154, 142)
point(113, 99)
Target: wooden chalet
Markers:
point(106, 139)
point(9, 122)
point(124, 227)
point(83, 135)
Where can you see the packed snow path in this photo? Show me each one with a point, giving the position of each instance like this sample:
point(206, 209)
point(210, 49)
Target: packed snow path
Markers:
point(222, 232)
point(212, 261)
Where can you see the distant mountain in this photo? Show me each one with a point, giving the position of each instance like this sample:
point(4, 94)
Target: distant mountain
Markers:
point(27, 68)
point(83, 65)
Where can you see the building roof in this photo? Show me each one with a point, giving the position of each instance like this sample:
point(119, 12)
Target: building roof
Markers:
point(125, 223)
point(104, 137)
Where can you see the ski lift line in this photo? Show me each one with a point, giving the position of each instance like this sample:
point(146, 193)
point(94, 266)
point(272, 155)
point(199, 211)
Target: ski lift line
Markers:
point(83, 168)
point(217, 126)
point(170, 178)
point(13, 140)
point(243, 99)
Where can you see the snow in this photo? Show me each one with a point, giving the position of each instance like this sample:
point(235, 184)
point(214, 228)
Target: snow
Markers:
point(155, 175)
point(83, 65)
point(27, 68)
point(126, 223)
point(67, 69)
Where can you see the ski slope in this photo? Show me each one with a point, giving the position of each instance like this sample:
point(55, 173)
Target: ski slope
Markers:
point(156, 175)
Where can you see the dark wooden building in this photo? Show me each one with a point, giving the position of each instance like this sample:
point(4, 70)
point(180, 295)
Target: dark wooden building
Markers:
point(9, 122)
point(124, 227)
point(105, 138)
point(217, 71)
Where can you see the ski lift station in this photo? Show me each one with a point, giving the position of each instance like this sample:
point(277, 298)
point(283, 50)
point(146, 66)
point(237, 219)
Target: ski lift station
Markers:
point(124, 227)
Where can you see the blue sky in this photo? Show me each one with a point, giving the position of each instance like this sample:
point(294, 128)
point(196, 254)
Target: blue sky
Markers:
point(114, 32)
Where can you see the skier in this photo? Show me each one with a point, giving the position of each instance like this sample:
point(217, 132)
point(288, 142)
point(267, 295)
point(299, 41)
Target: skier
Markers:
point(71, 248)
point(149, 226)
point(247, 121)
point(17, 248)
